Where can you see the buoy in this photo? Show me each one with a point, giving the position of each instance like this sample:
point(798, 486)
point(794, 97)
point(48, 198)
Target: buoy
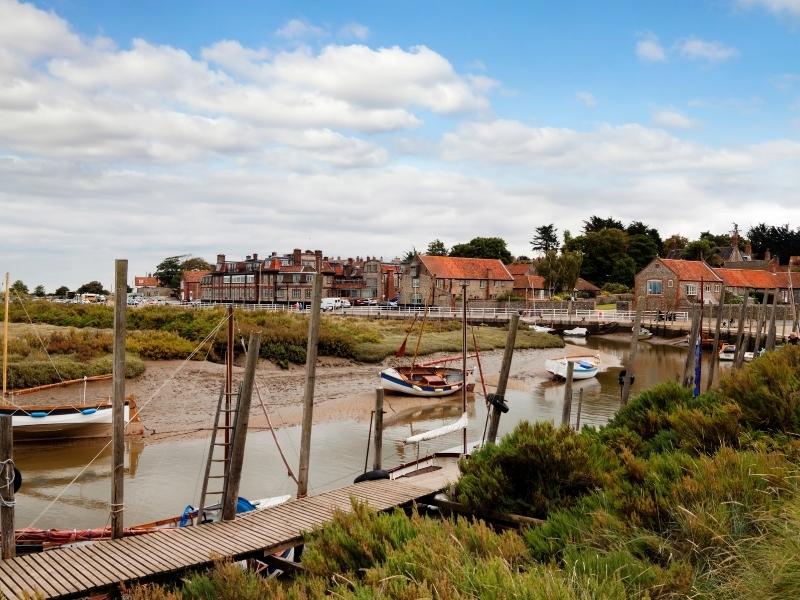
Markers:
point(38, 414)
point(88, 411)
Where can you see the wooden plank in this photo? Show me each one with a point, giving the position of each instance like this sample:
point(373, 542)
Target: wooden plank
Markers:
point(153, 558)
point(50, 578)
point(8, 578)
point(166, 550)
point(117, 565)
point(117, 550)
point(210, 541)
point(24, 580)
point(6, 591)
point(58, 557)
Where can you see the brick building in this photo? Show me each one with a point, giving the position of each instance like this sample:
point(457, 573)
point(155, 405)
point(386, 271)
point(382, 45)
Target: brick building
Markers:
point(671, 284)
point(527, 284)
point(149, 287)
point(190, 284)
point(436, 280)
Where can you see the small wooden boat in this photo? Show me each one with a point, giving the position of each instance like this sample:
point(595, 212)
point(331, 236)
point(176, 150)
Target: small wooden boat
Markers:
point(577, 331)
point(419, 380)
point(68, 421)
point(584, 367)
point(727, 352)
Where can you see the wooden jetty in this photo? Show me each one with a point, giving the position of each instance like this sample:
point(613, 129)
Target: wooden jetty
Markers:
point(105, 566)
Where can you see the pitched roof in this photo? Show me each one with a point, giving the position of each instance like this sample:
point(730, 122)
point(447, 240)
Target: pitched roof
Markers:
point(194, 276)
point(145, 281)
point(782, 278)
point(520, 268)
point(585, 286)
point(529, 282)
point(747, 278)
point(452, 267)
point(690, 270)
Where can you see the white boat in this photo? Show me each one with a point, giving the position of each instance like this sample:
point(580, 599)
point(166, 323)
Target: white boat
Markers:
point(426, 381)
point(71, 421)
point(644, 333)
point(584, 367)
point(577, 331)
point(727, 352)
point(541, 329)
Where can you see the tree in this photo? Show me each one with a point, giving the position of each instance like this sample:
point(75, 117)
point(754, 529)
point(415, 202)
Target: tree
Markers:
point(560, 271)
point(673, 242)
point(410, 255)
point(781, 241)
point(169, 271)
point(642, 249)
point(437, 248)
point(93, 287)
point(697, 250)
point(602, 250)
point(639, 228)
point(195, 263)
point(39, 291)
point(484, 247)
point(62, 291)
point(596, 223)
point(19, 287)
point(546, 239)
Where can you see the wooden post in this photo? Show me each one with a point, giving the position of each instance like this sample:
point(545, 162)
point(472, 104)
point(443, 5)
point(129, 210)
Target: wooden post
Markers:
point(688, 367)
point(761, 322)
point(7, 490)
point(567, 409)
point(5, 338)
point(637, 324)
point(580, 408)
point(739, 358)
point(228, 386)
point(715, 356)
point(770, 344)
point(500, 391)
point(464, 361)
point(377, 455)
point(118, 400)
point(240, 428)
point(308, 393)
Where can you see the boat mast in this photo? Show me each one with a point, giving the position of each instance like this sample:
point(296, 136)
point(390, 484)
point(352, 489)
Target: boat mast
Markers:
point(5, 341)
point(464, 357)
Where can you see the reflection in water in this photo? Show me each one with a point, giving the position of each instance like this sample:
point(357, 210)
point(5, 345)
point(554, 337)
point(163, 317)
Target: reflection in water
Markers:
point(164, 479)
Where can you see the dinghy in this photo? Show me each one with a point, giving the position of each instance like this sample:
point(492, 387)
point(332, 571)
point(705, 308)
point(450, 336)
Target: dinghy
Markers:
point(577, 331)
point(426, 381)
point(584, 367)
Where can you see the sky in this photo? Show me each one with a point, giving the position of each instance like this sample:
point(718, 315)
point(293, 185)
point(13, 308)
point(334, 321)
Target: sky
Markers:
point(148, 129)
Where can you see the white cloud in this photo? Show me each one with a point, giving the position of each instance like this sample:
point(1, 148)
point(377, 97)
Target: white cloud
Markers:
point(649, 49)
point(694, 48)
point(778, 7)
point(354, 31)
point(298, 29)
point(587, 99)
point(673, 119)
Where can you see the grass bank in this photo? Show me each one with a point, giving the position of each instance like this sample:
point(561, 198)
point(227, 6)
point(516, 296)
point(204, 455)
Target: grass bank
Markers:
point(79, 337)
point(676, 497)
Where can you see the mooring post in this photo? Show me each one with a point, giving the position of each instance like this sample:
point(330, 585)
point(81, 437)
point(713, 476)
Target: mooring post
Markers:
point(118, 400)
point(5, 337)
point(241, 423)
point(497, 401)
point(580, 408)
point(228, 385)
point(637, 325)
point(377, 455)
point(308, 392)
point(688, 367)
point(739, 358)
point(7, 488)
point(567, 409)
point(715, 356)
point(770, 343)
point(761, 321)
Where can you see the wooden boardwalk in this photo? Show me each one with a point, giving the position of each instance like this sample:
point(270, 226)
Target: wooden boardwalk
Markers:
point(77, 571)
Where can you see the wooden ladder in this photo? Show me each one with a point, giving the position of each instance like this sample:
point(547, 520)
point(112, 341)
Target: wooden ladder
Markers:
point(219, 452)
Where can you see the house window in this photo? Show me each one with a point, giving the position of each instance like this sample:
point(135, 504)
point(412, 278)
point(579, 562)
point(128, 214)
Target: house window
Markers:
point(440, 284)
point(717, 287)
point(691, 289)
point(295, 294)
point(670, 283)
point(653, 287)
point(483, 283)
point(707, 287)
point(308, 294)
point(415, 282)
point(416, 298)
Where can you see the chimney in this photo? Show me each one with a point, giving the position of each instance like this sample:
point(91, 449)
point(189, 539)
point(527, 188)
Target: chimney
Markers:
point(318, 261)
point(255, 255)
point(748, 249)
point(220, 262)
point(296, 257)
point(247, 258)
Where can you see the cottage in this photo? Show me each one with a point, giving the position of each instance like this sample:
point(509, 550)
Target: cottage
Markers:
point(436, 280)
point(670, 284)
point(190, 284)
point(527, 284)
point(739, 281)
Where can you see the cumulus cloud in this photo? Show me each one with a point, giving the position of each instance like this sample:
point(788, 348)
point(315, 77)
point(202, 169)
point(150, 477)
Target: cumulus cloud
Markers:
point(673, 119)
point(298, 29)
point(694, 48)
point(649, 49)
point(778, 7)
point(354, 31)
point(586, 98)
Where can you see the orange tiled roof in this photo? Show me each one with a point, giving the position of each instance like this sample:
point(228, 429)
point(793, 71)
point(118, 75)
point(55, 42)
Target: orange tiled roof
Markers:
point(747, 278)
point(452, 267)
point(529, 282)
point(690, 270)
point(782, 278)
point(194, 276)
point(520, 268)
point(145, 281)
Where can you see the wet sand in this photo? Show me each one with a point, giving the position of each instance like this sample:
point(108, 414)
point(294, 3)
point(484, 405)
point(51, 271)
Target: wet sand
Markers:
point(178, 400)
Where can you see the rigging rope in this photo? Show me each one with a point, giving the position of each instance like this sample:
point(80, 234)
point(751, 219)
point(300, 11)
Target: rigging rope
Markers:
point(7, 480)
point(150, 399)
point(22, 304)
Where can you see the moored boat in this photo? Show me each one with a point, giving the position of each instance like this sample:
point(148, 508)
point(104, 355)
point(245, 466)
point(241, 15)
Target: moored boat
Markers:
point(426, 381)
point(577, 331)
point(727, 352)
point(584, 367)
point(645, 334)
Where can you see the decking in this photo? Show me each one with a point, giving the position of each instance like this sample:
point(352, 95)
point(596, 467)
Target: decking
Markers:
point(102, 566)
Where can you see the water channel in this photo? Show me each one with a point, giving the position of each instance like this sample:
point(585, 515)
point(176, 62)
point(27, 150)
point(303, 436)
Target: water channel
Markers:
point(162, 478)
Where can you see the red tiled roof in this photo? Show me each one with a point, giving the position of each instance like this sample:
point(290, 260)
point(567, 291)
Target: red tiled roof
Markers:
point(451, 267)
point(782, 278)
point(520, 268)
point(690, 270)
point(145, 281)
point(585, 286)
point(193, 276)
point(747, 278)
point(528, 282)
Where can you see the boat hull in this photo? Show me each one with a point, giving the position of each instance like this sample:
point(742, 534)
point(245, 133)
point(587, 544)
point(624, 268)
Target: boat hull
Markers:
point(577, 332)
point(401, 381)
point(584, 367)
point(78, 422)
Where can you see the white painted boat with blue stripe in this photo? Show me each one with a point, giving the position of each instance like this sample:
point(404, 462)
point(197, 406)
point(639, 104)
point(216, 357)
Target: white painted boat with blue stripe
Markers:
point(31, 422)
point(425, 381)
point(584, 367)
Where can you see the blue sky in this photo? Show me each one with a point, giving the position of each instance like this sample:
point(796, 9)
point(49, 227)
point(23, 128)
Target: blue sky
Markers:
point(152, 128)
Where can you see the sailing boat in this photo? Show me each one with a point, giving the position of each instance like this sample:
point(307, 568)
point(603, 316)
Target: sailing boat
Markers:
point(62, 421)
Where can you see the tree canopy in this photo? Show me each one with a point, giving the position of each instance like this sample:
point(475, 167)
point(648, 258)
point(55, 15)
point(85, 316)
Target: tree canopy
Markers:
point(19, 287)
point(39, 291)
point(484, 247)
point(93, 287)
point(546, 239)
point(595, 223)
point(437, 248)
point(62, 291)
point(170, 269)
point(560, 271)
point(781, 241)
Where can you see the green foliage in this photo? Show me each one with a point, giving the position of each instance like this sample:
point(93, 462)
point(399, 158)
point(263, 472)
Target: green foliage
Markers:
point(160, 345)
point(546, 239)
point(38, 291)
point(560, 271)
point(781, 241)
point(30, 373)
point(19, 287)
point(615, 288)
point(93, 287)
point(437, 248)
point(605, 256)
point(532, 470)
point(484, 247)
point(62, 291)
point(594, 224)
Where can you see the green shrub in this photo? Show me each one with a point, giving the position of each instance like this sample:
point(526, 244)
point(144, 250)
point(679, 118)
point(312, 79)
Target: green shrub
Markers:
point(31, 373)
point(160, 345)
